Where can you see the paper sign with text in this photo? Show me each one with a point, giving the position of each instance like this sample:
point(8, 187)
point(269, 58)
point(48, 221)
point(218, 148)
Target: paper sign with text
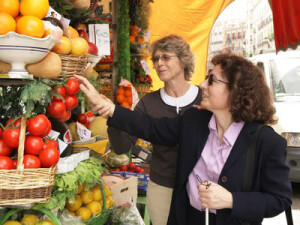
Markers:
point(99, 35)
point(145, 67)
point(83, 132)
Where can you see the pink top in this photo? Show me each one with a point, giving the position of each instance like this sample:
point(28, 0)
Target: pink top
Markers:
point(212, 159)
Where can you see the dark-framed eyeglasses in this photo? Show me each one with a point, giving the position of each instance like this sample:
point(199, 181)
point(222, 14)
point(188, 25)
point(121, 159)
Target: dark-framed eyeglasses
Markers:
point(212, 78)
point(165, 58)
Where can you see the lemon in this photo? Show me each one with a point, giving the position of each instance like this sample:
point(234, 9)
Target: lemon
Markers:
point(79, 189)
point(45, 222)
point(109, 202)
point(107, 190)
point(12, 222)
point(97, 193)
point(84, 213)
point(95, 207)
point(87, 196)
point(29, 220)
point(74, 206)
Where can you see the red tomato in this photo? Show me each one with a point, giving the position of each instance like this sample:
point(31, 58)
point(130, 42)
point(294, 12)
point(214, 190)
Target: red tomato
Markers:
point(1, 131)
point(33, 145)
point(131, 166)
point(137, 169)
point(72, 86)
point(71, 102)
point(31, 161)
point(56, 109)
point(39, 125)
point(49, 157)
point(142, 171)
point(82, 118)
point(50, 143)
point(4, 149)
point(65, 116)
point(16, 124)
point(6, 163)
point(123, 168)
point(11, 136)
point(60, 90)
point(117, 169)
point(15, 163)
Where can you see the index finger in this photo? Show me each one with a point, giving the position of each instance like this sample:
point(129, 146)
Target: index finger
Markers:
point(85, 82)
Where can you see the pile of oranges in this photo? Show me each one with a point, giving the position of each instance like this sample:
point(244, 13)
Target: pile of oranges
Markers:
point(24, 17)
point(134, 35)
point(124, 96)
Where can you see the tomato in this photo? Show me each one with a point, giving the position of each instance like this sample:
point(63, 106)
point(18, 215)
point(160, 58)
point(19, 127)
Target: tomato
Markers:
point(60, 90)
point(65, 116)
point(49, 157)
point(50, 143)
point(123, 168)
point(31, 161)
point(117, 169)
point(15, 163)
point(33, 145)
point(4, 149)
point(1, 131)
point(137, 169)
point(72, 86)
point(131, 166)
point(16, 124)
point(142, 171)
point(82, 118)
point(71, 102)
point(11, 136)
point(6, 163)
point(39, 125)
point(56, 109)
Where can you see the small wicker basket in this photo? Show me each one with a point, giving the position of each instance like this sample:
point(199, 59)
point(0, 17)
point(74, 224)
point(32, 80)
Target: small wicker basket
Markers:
point(107, 91)
point(25, 186)
point(71, 64)
point(142, 89)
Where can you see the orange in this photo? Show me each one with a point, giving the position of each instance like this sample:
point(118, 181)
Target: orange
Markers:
point(72, 32)
point(120, 99)
point(141, 40)
point(31, 26)
point(80, 46)
point(7, 23)
point(131, 38)
point(12, 7)
point(125, 105)
point(128, 93)
point(120, 91)
point(129, 100)
point(38, 8)
point(17, 18)
point(63, 47)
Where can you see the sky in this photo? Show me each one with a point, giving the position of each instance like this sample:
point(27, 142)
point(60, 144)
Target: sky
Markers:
point(236, 9)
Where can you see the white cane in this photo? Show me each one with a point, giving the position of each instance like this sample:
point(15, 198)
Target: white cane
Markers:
point(206, 216)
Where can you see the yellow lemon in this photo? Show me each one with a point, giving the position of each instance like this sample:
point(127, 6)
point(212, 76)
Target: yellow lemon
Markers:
point(109, 202)
point(74, 206)
point(63, 47)
point(79, 189)
point(12, 222)
point(107, 190)
point(97, 193)
point(87, 196)
point(29, 220)
point(84, 213)
point(95, 207)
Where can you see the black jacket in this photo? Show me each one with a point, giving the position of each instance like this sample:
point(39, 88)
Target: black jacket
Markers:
point(271, 191)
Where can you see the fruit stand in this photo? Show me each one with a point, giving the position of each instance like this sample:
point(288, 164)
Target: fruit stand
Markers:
point(56, 163)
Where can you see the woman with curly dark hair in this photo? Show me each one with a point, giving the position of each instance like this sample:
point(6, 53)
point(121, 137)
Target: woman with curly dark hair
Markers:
point(213, 142)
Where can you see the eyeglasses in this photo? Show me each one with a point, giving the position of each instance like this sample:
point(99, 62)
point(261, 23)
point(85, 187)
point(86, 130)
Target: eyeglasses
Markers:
point(165, 58)
point(212, 78)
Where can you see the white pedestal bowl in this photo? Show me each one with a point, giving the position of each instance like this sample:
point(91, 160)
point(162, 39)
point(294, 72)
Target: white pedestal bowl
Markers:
point(19, 50)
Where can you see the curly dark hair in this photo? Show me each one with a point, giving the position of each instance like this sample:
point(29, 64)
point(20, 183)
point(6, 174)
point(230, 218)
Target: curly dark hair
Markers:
point(249, 96)
point(176, 44)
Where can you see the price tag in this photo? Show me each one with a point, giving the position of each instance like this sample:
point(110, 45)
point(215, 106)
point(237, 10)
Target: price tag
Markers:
point(83, 132)
point(99, 35)
point(53, 13)
point(53, 134)
point(61, 146)
point(145, 67)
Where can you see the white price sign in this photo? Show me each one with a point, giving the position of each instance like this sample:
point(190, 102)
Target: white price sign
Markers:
point(99, 35)
point(145, 67)
point(83, 132)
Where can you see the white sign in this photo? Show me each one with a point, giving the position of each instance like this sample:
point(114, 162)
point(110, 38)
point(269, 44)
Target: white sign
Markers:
point(61, 146)
point(83, 132)
point(145, 67)
point(53, 134)
point(99, 35)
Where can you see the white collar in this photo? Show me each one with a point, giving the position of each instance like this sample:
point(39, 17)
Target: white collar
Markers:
point(181, 101)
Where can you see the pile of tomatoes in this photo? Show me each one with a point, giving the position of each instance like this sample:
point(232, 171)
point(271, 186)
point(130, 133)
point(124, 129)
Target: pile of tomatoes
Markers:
point(131, 168)
point(60, 108)
point(38, 150)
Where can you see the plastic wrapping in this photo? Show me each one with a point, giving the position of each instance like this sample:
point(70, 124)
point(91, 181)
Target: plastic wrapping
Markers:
point(126, 215)
point(67, 219)
point(115, 160)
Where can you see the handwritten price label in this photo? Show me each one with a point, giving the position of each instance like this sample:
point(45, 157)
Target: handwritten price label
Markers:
point(83, 132)
point(99, 35)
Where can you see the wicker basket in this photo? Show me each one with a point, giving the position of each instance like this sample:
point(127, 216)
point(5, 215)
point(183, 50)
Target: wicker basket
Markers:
point(25, 186)
point(71, 64)
point(107, 91)
point(142, 89)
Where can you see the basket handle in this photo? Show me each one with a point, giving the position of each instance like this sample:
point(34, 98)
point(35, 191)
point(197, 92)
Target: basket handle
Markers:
point(103, 196)
point(20, 167)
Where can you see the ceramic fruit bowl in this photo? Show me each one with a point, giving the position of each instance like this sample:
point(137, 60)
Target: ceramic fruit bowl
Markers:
point(94, 59)
point(19, 50)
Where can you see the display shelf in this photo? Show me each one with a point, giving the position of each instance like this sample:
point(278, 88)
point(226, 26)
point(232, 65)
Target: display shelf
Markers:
point(4, 82)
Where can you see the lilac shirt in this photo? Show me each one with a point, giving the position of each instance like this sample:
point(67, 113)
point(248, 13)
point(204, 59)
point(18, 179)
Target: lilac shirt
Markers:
point(212, 159)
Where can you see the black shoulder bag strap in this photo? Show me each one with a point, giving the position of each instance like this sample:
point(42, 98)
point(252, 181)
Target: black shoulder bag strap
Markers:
point(250, 164)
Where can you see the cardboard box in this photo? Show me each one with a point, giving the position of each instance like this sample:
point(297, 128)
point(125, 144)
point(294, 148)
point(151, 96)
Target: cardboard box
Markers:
point(123, 191)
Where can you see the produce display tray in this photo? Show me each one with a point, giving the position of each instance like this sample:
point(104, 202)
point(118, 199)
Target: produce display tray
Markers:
point(4, 82)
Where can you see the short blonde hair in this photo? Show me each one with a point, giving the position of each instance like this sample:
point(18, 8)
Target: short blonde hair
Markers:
point(176, 44)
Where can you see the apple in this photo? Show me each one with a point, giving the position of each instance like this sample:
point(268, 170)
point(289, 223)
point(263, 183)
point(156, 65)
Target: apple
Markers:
point(81, 26)
point(93, 49)
point(83, 34)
